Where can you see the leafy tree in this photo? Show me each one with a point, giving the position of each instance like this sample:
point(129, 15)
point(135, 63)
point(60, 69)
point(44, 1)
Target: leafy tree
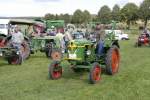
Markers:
point(129, 13)
point(87, 16)
point(65, 17)
point(104, 14)
point(78, 17)
point(116, 13)
point(49, 16)
point(144, 11)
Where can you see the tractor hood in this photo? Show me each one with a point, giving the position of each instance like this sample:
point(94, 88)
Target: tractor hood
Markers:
point(80, 42)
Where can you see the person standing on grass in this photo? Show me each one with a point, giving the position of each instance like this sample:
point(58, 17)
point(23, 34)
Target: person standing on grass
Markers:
point(60, 37)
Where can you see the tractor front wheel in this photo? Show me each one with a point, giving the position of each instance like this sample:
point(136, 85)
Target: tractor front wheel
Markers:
point(56, 54)
point(112, 60)
point(95, 73)
point(55, 70)
point(15, 60)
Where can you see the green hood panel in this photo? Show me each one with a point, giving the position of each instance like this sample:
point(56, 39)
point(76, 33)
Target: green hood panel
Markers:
point(81, 42)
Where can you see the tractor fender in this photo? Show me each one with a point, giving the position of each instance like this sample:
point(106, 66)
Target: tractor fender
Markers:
point(8, 37)
point(3, 35)
point(26, 38)
point(115, 43)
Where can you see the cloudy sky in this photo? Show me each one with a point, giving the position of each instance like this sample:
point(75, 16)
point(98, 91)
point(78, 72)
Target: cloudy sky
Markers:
point(11, 8)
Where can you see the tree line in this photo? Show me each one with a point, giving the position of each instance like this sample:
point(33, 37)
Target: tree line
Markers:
point(128, 14)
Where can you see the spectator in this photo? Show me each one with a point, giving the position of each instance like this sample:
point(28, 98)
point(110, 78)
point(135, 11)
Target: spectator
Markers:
point(60, 38)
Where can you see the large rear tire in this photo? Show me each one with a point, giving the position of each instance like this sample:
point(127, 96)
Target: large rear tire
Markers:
point(55, 70)
point(48, 49)
point(112, 60)
point(2, 38)
point(95, 73)
point(25, 50)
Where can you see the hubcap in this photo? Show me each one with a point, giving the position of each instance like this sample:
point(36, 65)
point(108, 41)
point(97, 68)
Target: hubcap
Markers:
point(56, 71)
point(96, 73)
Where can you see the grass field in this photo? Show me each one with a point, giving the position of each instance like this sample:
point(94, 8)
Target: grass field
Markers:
point(30, 80)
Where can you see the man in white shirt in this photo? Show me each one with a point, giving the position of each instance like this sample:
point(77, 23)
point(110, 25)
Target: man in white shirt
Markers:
point(60, 37)
point(17, 38)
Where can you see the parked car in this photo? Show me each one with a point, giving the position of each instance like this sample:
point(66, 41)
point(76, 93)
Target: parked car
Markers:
point(119, 35)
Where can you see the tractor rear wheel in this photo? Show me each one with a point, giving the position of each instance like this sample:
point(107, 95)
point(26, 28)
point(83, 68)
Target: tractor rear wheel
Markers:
point(55, 70)
point(1, 41)
point(56, 54)
point(25, 49)
point(48, 53)
point(95, 73)
point(48, 49)
point(112, 60)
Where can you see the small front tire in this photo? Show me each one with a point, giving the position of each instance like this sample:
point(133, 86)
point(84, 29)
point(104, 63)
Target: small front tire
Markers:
point(55, 70)
point(95, 73)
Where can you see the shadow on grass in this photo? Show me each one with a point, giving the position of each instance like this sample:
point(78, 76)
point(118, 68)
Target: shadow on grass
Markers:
point(38, 56)
point(82, 75)
point(3, 64)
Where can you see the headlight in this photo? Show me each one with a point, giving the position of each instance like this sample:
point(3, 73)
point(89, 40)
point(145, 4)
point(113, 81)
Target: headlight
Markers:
point(88, 52)
point(63, 51)
point(18, 53)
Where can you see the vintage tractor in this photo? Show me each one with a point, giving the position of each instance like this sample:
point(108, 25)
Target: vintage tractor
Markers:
point(7, 50)
point(45, 42)
point(11, 54)
point(48, 44)
point(93, 56)
point(143, 40)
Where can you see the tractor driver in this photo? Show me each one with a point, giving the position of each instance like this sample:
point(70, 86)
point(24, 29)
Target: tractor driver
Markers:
point(17, 38)
point(146, 32)
point(52, 31)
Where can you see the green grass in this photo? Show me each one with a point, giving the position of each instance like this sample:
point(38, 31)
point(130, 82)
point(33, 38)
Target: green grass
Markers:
point(30, 80)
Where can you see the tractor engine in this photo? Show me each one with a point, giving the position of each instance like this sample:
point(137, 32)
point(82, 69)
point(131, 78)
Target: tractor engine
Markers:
point(81, 51)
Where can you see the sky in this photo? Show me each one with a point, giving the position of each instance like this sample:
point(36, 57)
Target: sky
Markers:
point(15, 8)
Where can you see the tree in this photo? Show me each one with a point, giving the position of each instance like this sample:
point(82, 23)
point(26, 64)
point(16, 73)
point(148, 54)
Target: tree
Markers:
point(67, 18)
point(129, 13)
point(49, 16)
point(116, 13)
point(87, 16)
point(78, 17)
point(104, 14)
point(144, 11)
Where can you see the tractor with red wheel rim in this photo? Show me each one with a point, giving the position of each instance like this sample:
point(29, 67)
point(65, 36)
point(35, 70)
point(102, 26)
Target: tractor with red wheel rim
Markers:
point(7, 50)
point(93, 56)
point(143, 40)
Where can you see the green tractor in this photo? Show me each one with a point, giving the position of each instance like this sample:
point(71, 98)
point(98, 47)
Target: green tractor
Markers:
point(47, 43)
point(93, 56)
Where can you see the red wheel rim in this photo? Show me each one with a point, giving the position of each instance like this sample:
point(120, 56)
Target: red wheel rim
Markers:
point(1, 43)
point(56, 55)
point(57, 72)
point(115, 61)
point(96, 73)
